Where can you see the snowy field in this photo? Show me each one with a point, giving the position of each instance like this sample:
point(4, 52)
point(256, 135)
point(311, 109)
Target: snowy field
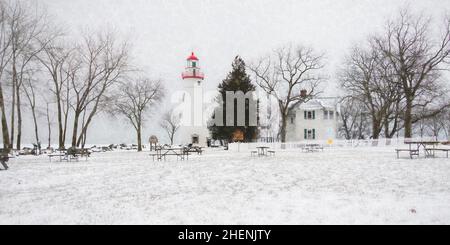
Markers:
point(337, 186)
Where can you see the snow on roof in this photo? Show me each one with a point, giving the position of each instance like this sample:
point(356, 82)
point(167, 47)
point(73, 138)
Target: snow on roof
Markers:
point(316, 104)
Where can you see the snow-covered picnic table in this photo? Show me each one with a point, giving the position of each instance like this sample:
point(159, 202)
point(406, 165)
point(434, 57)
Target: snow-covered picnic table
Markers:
point(429, 147)
point(263, 151)
point(161, 153)
point(70, 154)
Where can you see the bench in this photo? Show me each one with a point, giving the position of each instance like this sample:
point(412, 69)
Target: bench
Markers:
point(439, 149)
point(253, 153)
point(62, 156)
point(196, 149)
point(159, 156)
point(76, 153)
point(271, 152)
point(412, 152)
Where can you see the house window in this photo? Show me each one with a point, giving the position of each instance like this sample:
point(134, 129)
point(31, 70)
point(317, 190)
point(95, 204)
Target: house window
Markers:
point(309, 134)
point(328, 115)
point(310, 115)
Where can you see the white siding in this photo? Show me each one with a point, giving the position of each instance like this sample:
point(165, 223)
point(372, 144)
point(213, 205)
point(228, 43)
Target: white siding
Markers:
point(324, 128)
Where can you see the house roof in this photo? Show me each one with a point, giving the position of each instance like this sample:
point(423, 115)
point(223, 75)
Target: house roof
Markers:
point(315, 104)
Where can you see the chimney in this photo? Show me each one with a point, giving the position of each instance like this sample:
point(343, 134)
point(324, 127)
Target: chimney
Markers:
point(303, 93)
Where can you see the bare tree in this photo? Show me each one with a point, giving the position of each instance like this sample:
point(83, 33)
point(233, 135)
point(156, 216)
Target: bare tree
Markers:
point(5, 57)
point(354, 119)
point(417, 60)
point(367, 79)
point(285, 74)
point(170, 122)
point(435, 126)
point(49, 124)
point(100, 63)
point(133, 101)
point(446, 123)
point(53, 59)
point(30, 92)
point(27, 26)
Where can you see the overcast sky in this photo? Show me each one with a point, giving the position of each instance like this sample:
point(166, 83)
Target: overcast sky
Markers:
point(163, 33)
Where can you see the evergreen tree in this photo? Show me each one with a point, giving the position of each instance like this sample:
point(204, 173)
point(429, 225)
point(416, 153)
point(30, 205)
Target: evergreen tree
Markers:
point(236, 80)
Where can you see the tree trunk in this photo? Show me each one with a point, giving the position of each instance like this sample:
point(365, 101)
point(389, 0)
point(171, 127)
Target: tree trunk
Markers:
point(83, 138)
point(408, 118)
point(64, 126)
point(19, 118)
point(386, 128)
point(5, 132)
point(49, 129)
point(75, 129)
point(171, 137)
point(89, 120)
point(139, 137)
point(36, 130)
point(375, 129)
point(61, 139)
point(13, 106)
point(283, 128)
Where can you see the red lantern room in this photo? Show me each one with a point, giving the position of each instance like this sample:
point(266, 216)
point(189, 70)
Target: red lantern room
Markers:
point(192, 57)
point(192, 69)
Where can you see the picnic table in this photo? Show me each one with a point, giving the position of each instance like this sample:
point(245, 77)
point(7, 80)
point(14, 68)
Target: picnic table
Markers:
point(70, 154)
point(262, 150)
point(61, 155)
point(161, 153)
point(429, 148)
point(194, 149)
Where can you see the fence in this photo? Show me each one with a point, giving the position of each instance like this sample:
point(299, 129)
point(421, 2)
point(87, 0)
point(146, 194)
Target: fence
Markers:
point(394, 142)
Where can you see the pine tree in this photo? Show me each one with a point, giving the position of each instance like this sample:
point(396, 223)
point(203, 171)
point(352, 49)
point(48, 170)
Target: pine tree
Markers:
point(236, 80)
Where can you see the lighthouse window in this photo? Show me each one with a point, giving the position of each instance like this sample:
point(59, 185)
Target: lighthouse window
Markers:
point(194, 64)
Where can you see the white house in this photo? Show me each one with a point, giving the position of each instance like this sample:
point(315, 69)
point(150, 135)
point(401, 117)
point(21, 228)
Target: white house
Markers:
point(316, 119)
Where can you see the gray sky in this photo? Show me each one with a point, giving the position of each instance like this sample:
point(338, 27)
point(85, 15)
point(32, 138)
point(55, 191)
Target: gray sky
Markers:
point(163, 33)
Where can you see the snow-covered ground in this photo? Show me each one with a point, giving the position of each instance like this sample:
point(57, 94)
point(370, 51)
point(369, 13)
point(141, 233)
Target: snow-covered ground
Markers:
point(338, 186)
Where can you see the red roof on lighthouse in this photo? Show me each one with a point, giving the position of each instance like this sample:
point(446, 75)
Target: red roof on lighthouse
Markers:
point(192, 57)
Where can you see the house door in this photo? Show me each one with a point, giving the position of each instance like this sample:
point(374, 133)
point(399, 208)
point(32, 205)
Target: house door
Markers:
point(194, 139)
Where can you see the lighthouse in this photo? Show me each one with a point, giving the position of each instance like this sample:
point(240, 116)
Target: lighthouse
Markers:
point(193, 125)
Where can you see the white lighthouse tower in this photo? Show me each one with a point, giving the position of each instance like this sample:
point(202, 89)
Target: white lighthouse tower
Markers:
point(193, 125)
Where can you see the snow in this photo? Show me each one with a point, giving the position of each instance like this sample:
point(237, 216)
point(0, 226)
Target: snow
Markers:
point(364, 185)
